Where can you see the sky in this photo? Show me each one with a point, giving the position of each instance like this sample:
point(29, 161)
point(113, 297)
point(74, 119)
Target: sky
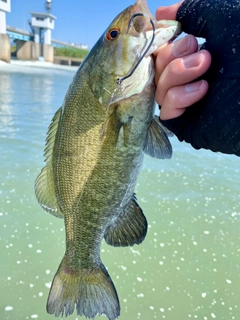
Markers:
point(78, 21)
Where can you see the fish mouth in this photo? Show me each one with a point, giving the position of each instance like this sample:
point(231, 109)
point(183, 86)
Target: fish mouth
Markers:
point(156, 33)
point(165, 31)
point(145, 35)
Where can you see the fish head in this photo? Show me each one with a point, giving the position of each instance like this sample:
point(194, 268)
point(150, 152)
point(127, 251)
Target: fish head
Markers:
point(132, 36)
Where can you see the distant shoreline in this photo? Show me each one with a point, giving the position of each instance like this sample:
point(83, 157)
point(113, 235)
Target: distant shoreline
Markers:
point(35, 64)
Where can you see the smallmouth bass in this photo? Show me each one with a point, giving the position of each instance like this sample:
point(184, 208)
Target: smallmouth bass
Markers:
point(94, 151)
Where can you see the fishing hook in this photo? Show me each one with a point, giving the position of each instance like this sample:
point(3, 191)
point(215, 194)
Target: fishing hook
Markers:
point(120, 80)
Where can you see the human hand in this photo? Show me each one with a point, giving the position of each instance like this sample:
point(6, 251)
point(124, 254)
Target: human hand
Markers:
point(177, 65)
point(213, 121)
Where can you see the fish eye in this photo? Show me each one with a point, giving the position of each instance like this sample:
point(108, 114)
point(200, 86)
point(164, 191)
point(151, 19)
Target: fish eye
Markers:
point(112, 34)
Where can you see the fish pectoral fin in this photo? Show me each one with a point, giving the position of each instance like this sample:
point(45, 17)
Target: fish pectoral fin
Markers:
point(44, 184)
point(111, 128)
point(129, 228)
point(157, 144)
point(127, 131)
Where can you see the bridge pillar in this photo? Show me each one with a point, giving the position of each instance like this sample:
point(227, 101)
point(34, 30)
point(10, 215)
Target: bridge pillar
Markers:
point(5, 48)
point(27, 50)
point(32, 51)
point(48, 53)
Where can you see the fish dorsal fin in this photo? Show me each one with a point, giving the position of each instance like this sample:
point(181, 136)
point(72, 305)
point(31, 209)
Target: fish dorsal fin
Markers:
point(129, 228)
point(44, 185)
point(157, 144)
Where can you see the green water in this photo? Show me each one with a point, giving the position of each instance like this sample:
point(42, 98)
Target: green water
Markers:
point(188, 266)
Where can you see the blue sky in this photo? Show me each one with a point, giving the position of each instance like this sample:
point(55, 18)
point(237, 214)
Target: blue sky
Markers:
point(78, 21)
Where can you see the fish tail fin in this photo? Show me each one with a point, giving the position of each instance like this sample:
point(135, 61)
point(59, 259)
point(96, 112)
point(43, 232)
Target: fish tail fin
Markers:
point(90, 290)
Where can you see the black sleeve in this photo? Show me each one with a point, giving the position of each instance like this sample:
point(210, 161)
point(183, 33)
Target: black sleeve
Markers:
point(214, 122)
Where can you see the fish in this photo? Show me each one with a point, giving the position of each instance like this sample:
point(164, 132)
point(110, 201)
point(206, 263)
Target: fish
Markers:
point(93, 155)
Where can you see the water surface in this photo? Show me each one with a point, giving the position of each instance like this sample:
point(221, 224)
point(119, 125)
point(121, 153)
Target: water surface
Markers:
point(188, 265)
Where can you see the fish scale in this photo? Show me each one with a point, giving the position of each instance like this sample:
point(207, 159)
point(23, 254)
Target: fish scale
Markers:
point(94, 151)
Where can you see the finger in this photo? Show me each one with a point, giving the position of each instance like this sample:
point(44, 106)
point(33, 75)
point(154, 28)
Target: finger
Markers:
point(182, 71)
point(164, 55)
point(179, 98)
point(169, 12)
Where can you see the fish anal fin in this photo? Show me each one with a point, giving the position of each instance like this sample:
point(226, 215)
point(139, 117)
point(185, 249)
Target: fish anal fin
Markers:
point(129, 228)
point(44, 184)
point(157, 144)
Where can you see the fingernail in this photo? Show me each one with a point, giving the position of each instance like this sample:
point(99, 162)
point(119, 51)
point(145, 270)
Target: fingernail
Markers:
point(195, 86)
point(181, 46)
point(193, 60)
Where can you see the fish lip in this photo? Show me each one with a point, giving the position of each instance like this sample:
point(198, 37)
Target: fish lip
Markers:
point(165, 24)
point(164, 33)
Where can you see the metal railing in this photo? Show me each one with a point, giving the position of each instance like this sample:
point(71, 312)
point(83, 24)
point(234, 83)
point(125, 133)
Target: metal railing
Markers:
point(19, 34)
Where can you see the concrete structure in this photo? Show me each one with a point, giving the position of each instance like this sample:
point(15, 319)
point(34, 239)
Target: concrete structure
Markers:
point(27, 50)
point(38, 45)
point(42, 25)
point(34, 51)
point(67, 61)
point(4, 7)
point(33, 45)
point(5, 48)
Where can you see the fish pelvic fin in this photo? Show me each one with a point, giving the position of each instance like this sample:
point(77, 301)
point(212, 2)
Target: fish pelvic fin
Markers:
point(44, 184)
point(157, 144)
point(129, 228)
point(91, 291)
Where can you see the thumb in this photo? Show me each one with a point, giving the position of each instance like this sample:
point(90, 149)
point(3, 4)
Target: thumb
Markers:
point(169, 12)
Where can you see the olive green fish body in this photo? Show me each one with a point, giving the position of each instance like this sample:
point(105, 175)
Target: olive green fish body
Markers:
point(94, 150)
point(96, 165)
